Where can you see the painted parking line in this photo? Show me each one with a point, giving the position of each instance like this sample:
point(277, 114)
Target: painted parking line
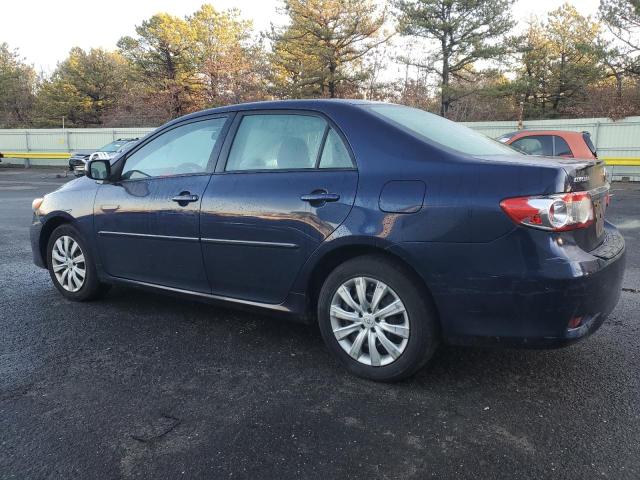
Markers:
point(16, 187)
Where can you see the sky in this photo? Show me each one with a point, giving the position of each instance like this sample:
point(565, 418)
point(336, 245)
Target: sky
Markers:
point(44, 30)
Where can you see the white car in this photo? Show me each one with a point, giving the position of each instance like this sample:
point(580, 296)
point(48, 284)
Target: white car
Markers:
point(79, 159)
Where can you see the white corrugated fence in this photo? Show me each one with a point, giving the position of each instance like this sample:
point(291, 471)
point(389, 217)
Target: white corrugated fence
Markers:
point(618, 142)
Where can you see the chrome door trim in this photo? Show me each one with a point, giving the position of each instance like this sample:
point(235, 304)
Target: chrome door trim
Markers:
point(224, 241)
point(249, 243)
point(107, 233)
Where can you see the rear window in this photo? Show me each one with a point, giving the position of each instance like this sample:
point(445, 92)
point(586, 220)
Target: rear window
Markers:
point(504, 138)
point(587, 140)
point(439, 130)
point(114, 146)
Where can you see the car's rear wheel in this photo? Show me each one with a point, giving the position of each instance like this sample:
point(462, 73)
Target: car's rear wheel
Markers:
point(376, 319)
point(71, 266)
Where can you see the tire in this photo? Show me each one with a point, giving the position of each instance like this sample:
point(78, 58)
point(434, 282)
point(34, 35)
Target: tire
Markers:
point(417, 321)
point(88, 287)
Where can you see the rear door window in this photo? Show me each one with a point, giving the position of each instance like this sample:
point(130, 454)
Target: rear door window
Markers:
point(562, 148)
point(276, 142)
point(535, 145)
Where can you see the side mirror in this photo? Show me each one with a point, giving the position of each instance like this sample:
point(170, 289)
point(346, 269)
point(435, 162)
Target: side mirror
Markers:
point(98, 167)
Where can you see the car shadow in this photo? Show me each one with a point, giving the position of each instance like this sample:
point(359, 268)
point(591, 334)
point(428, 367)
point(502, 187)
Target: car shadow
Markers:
point(451, 366)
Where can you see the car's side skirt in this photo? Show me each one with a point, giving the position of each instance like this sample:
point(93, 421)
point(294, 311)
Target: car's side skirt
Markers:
point(294, 306)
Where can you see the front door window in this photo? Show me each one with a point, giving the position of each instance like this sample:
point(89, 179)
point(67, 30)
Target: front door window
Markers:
point(184, 150)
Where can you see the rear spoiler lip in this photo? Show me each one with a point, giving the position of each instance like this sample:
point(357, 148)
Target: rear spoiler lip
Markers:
point(588, 176)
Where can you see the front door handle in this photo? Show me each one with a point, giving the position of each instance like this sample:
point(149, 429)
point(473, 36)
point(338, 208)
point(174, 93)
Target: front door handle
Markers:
point(320, 197)
point(185, 198)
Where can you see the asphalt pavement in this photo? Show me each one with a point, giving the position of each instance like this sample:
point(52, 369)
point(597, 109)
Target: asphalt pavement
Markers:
point(140, 385)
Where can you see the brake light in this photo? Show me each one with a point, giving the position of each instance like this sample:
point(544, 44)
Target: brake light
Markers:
point(564, 211)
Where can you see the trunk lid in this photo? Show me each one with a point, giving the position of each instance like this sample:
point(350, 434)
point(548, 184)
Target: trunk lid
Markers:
point(590, 176)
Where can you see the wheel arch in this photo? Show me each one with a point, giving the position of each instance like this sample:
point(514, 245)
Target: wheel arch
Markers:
point(324, 264)
point(53, 222)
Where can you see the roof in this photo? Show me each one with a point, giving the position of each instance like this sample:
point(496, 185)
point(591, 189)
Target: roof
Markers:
point(542, 131)
point(320, 104)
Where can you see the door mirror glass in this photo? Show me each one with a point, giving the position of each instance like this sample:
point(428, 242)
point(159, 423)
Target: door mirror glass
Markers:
point(98, 169)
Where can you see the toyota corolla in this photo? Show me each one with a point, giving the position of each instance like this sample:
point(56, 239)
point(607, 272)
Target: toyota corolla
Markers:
point(393, 228)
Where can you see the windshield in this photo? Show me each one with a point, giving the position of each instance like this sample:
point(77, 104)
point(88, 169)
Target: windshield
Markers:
point(113, 146)
point(442, 131)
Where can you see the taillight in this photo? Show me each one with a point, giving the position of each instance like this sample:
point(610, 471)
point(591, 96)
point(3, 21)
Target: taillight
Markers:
point(564, 211)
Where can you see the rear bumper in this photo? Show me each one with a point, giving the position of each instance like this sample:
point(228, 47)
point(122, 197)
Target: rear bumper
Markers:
point(523, 289)
point(545, 307)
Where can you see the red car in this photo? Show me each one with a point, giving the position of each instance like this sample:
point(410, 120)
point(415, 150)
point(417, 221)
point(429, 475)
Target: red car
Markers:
point(552, 143)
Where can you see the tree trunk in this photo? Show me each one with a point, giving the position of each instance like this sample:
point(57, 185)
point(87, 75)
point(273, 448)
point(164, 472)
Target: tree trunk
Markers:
point(619, 86)
point(445, 101)
point(332, 80)
point(172, 76)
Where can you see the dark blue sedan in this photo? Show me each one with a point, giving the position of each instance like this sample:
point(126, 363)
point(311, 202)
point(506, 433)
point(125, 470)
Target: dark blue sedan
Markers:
point(393, 228)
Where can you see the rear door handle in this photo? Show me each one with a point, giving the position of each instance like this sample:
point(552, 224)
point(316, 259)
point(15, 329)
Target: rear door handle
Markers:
point(109, 208)
point(320, 197)
point(184, 198)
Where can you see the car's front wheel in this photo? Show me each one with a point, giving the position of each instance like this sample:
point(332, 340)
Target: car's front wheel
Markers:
point(375, 318)
point(71, 266)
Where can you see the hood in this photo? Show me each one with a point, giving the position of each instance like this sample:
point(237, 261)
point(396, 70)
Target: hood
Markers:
point(81, 153)
point(80, 183)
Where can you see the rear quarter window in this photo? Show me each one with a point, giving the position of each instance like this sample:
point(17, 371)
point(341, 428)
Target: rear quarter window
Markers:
point(334, 153)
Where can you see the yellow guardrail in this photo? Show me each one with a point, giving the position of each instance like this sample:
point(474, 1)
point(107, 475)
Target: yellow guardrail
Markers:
point(621, 161)
point(61, 155)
